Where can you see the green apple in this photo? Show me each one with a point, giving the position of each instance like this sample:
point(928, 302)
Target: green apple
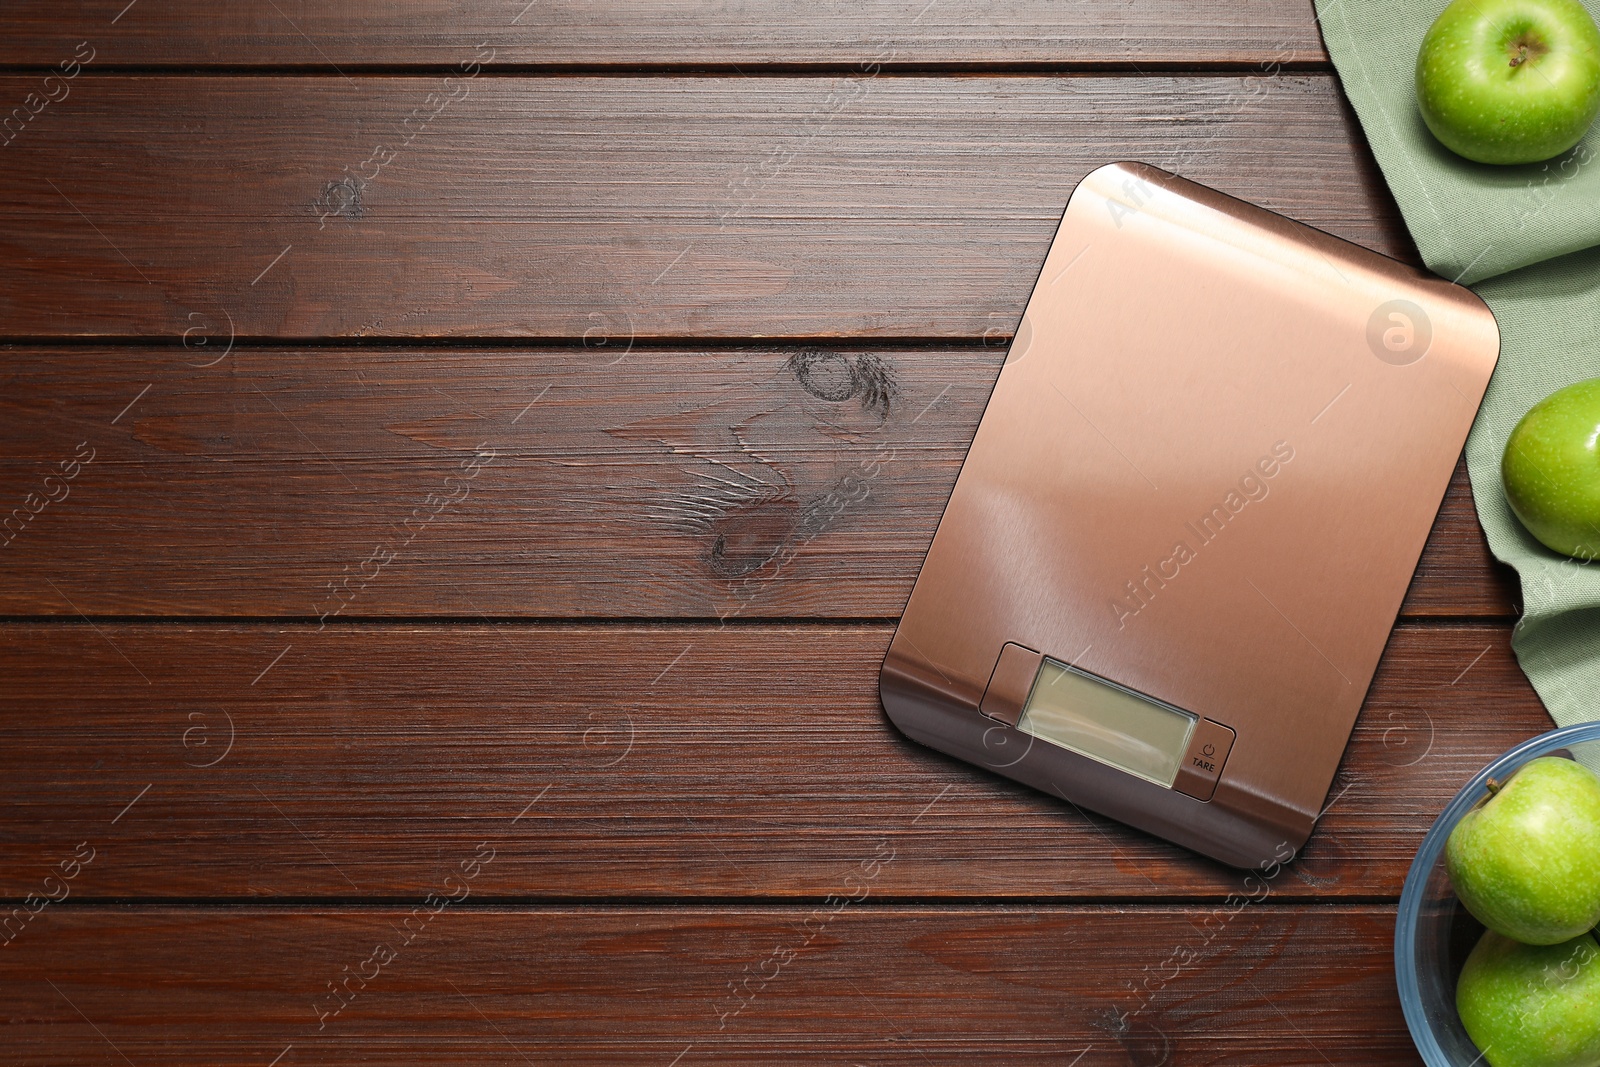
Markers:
point(1510, 81)
point(1532, 1005)
point(1527, 862)
point(1551, 470)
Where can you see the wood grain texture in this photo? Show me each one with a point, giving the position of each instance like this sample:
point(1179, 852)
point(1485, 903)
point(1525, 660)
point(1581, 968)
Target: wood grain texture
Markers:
point(613, 207)
point(759, 299)
point(865, 984)
point(621, 762)
point(615, 482)
point(565, 33)
point(1457, 575)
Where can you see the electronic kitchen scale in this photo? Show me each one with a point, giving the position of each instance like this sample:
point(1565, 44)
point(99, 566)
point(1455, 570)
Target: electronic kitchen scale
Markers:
point(1186, 523)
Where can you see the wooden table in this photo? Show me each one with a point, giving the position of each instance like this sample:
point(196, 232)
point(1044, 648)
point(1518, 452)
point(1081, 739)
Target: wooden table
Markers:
point(449, 550)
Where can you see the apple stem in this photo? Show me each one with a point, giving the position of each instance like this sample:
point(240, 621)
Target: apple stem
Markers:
point(1493, 786)
point(1521, 56)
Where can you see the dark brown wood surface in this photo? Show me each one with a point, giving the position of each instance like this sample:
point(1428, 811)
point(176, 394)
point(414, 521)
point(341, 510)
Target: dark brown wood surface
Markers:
point(842, 981)
point(613, 482)
point(614, 208)
point(399, 472)
point(662, 762)
point(585, 33)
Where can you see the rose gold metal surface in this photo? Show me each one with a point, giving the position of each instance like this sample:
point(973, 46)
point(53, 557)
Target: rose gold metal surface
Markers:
point(1010, 684)
point(1206, 473)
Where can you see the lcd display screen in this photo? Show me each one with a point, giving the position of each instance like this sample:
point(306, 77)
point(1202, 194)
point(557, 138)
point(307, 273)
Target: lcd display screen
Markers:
point(1104, 721)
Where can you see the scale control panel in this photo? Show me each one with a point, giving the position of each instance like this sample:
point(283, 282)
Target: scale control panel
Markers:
point(1103, 721)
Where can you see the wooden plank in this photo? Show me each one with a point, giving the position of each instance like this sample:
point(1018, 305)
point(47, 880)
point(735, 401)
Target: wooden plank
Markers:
point(565, 33)
point(890, 207)
point(863, 984)
point(1457, 575)
point(246, 762)
point(614, 482)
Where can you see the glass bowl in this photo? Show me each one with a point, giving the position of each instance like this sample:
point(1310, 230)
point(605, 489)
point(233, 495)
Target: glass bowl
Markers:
point(1433, 933)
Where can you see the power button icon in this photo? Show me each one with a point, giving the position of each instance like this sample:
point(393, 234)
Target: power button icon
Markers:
point(1203, 760)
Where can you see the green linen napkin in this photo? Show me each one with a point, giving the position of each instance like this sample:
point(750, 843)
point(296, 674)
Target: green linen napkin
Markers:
point(1525, 239)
